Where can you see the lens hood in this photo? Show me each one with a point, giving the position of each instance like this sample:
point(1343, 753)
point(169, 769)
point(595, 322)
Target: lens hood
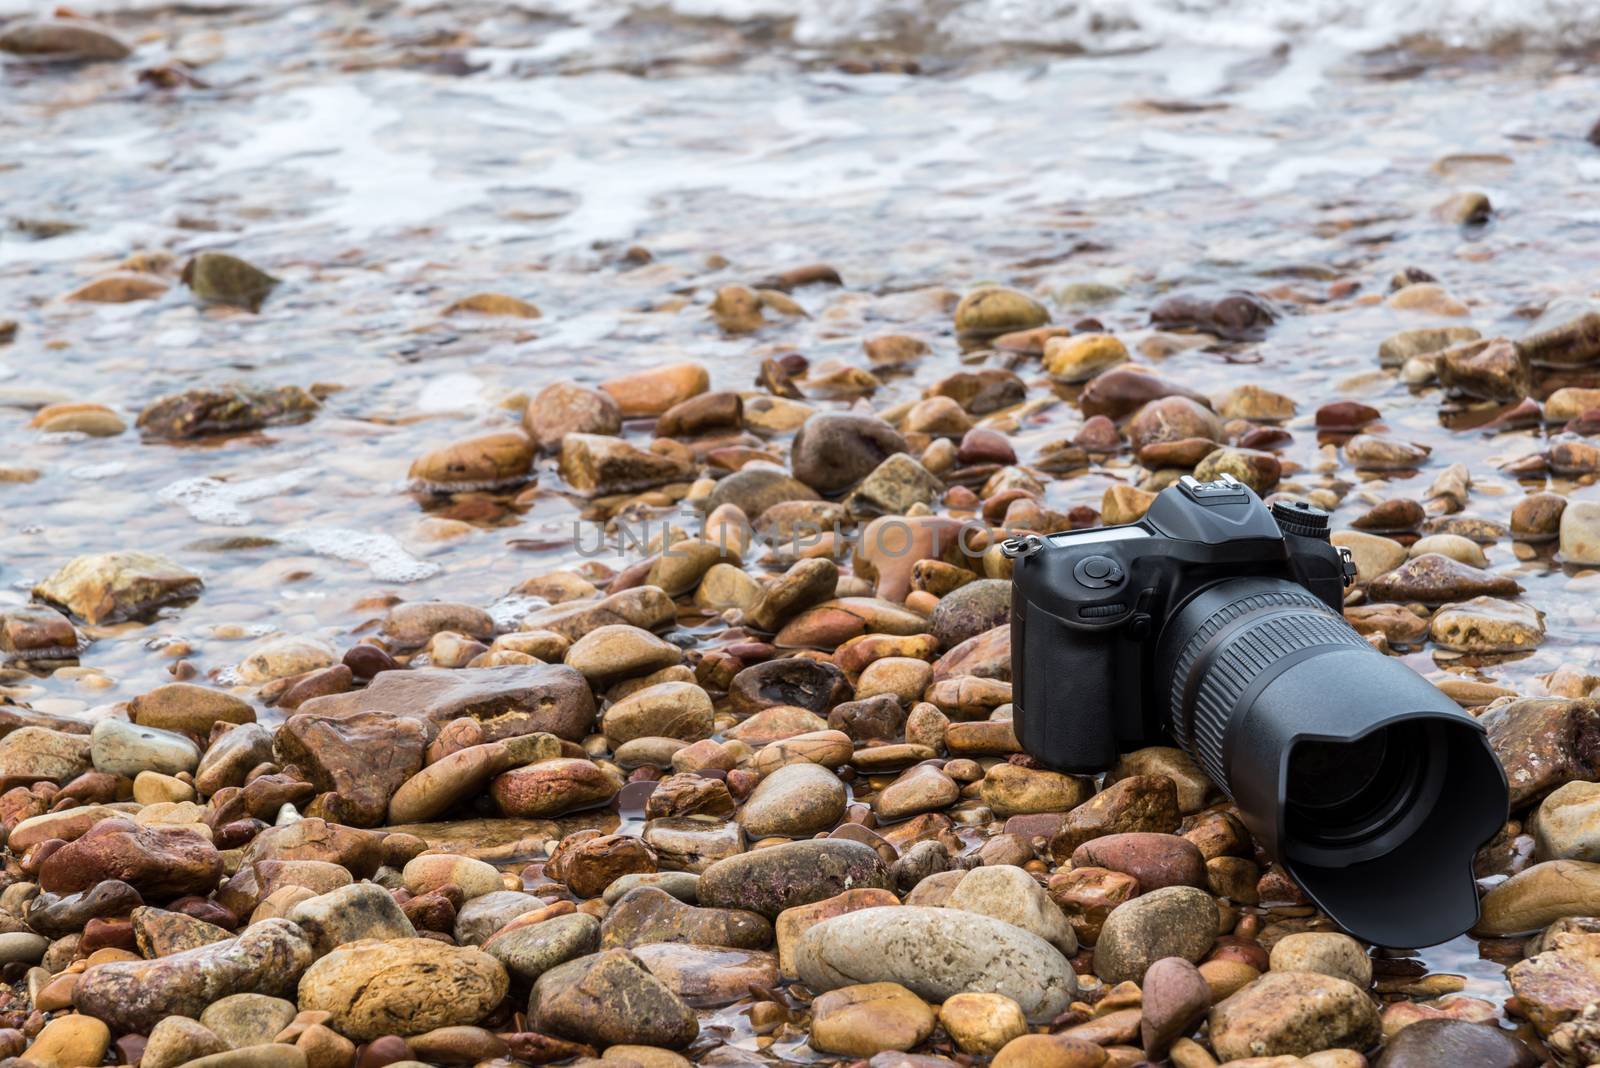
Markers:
point(1372, 788)
point(1392, 863)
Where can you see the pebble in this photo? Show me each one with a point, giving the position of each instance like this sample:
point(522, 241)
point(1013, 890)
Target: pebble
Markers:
point(646, 914)
point(1437, 579)
point(868, 1018)
point(1175, 997)
point(487, 461)
point(680, 710)
point(531, 945)
point(218, 278)
point(431, 871)
point(833, 452)
point(109, 587)
point(563, 408)
point(39, 752)
point(1137, 803)
point(285, 657)
point(1293, 1014)
point(1487, 625)
point(1049, 1051)
point(619, 651)
point(553, 788)
point(188, 709)
point(793, 802)
point(73, 1041)
point(935, 953)
point(595, 465)
point(654, 391)
point(1538, 896)
point(1012, 790)
point(348, 914)
point(153, 860)
point(1081, 357)
point(610, 998)
point(479, 919)
point(1580, 532)
point(1175, 921)
point(266, 958)
point(122, 748)
point(242, 1020)
point(982, 1023)
point(1440, 1043)
point(1155, 860)
point(1009, 893)
point(1325, 952)
point(376, 987)
point(178, 1040)
point(923, 788)
point(992, 310)
point(971, 610)
point(64, 40)
point(708, 977)
point(780, 877)
point(1568, 824)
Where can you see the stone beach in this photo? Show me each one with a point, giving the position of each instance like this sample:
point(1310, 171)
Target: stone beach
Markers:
point(464, 613)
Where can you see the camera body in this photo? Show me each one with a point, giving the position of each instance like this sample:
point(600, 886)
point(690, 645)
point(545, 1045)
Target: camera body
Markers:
point(1091, 675)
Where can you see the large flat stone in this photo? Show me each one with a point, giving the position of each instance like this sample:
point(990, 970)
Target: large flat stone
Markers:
point(507, 700)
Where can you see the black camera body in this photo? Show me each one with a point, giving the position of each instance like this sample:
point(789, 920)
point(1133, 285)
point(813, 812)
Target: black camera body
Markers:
point(1216, 623)
point(1090, 606)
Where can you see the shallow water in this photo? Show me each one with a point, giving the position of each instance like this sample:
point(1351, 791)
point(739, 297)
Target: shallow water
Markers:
point(388, 160)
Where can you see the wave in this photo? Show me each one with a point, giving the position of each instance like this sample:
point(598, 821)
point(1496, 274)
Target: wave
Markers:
point(1069, 25)
point(1116, 25)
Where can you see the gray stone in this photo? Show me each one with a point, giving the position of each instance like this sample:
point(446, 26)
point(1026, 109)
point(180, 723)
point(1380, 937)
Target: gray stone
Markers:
point(1174, 921)
point(349, 914)
point(1324, 952)
point(507, 701)
point(795, 801)
point(1453, 1043)
point(241, 1020)
point(935, 953)
point(529, 950)
point(833, 451)
point(267, 958)
point(1009, 893)
point(970, 610)
point(122, 748)
point(795, 873)
point(610, 999)
point(1293, 1014)
point(483, 916)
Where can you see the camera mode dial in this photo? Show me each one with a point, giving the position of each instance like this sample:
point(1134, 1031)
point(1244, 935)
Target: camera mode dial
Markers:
point(1297, 517)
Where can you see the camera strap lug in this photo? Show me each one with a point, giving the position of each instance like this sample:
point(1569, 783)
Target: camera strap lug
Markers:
point(1021, 546)
point(1348, 566)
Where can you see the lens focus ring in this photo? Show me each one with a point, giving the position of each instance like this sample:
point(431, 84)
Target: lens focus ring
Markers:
point(1231, 649)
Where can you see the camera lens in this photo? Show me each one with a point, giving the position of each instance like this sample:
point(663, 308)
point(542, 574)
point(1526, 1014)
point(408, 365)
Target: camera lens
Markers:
point(1327, 775)
point(1344, 794)
point(1345, 764)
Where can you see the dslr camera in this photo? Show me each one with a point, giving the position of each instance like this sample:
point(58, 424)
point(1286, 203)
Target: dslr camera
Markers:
point(1216, 623)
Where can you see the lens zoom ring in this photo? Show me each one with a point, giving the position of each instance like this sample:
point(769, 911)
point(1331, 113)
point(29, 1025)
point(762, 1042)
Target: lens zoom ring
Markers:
point(1221, 618)
point(1245, 654)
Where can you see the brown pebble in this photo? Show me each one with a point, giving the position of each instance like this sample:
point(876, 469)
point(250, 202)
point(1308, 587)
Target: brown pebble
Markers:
point(365, 661)
point(383, 1051)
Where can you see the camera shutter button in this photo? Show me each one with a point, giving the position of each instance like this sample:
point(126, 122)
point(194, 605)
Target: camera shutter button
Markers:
point(1098, 572)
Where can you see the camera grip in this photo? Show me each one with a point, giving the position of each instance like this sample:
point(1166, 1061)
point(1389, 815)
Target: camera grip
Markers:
point(1063, 690)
